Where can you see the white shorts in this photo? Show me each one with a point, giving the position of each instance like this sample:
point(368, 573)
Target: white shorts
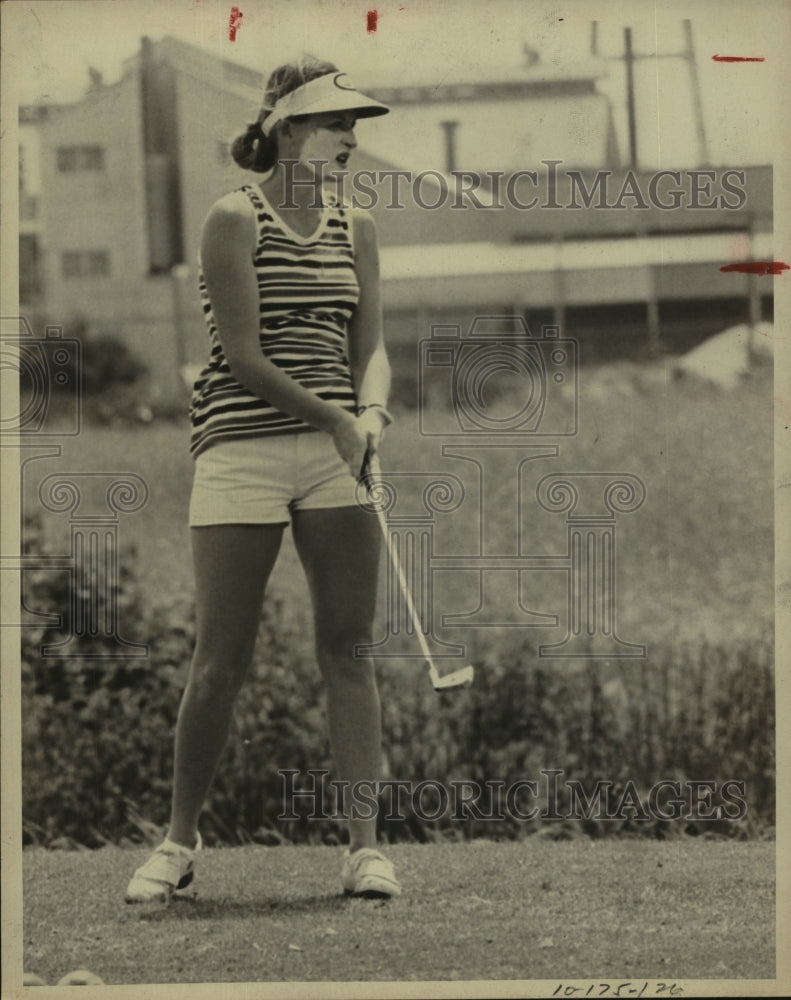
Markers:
point(261, 480)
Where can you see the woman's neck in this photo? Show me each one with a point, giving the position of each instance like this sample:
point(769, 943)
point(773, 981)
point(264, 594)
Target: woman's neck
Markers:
point(294, 187)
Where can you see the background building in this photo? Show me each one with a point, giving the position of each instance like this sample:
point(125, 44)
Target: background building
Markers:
point(115, 189)
point(30, 235)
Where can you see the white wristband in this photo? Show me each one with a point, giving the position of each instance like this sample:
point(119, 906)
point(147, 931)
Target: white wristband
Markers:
point(384, 413)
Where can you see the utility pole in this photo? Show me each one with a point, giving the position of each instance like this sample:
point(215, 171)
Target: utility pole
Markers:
point(689, 55)
point(630, 58)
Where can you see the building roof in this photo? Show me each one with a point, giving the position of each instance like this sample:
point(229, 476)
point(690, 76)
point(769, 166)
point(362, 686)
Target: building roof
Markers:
point(542, 79)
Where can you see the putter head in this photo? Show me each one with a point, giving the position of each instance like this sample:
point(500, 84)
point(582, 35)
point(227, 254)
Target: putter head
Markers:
point(456, 679)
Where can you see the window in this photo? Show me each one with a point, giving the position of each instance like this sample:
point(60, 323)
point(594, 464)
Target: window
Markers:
point(77, 158)
point(29, 267)
point(85, 264)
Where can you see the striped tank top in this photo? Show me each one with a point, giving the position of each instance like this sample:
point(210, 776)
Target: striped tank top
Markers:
point(308, 291)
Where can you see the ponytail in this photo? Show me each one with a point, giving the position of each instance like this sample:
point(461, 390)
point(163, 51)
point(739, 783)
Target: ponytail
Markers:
point(252, 150)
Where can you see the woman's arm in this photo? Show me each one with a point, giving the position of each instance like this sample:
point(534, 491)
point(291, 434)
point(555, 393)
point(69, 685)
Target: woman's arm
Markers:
point(367, 355)
point(227, 250)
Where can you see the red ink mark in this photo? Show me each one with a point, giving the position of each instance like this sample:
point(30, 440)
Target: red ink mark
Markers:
point(757, 267)
point(371, 19)
point(738, 58)
point(235, 23)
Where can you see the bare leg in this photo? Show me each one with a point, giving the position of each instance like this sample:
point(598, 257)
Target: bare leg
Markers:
point(232, 565)
point(339, 549)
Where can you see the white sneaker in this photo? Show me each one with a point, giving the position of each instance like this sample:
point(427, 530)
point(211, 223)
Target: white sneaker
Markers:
point(170, 867)
point(368, 873)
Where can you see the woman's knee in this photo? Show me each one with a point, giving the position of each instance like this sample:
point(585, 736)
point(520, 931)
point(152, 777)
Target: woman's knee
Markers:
point(343, 645)
point(349, 683)
point(214, 677)
point(343, 664)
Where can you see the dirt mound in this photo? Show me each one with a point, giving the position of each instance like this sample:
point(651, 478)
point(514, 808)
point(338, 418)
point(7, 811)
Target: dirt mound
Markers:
point(728, 357)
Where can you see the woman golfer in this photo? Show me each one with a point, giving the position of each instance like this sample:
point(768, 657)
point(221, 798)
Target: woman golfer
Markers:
point(282, 415)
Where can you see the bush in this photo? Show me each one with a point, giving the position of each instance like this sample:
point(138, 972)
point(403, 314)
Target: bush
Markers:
point(703, 714)
point(98, 732)
point(106, 361)
point(112, 381)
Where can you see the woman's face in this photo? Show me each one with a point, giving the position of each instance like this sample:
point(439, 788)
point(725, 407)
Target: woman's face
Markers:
point(328, 138)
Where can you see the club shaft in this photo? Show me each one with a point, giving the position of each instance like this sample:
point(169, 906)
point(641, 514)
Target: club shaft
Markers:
point(376, 474)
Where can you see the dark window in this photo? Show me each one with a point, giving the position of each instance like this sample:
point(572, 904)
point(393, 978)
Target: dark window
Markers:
point(67, 158)
point(29, 267)
point(75, 158)
point(85, 264)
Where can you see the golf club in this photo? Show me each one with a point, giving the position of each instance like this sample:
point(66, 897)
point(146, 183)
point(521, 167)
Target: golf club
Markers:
point(371, 474)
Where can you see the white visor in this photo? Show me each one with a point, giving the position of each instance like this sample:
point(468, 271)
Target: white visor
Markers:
point(332, 92)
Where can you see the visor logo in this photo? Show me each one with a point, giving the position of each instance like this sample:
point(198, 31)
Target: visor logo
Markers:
point(342, 82)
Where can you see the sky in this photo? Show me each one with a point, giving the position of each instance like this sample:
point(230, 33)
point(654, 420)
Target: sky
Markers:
point(48, 47)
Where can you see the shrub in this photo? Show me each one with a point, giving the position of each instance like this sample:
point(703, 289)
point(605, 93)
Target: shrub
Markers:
point(113, 387)
point(97, 732)
point(106, 361)
point(686, 715)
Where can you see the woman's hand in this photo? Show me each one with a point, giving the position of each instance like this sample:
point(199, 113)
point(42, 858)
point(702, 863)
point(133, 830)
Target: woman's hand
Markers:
point(351, 440)
point(354, 436)
point(373, 420)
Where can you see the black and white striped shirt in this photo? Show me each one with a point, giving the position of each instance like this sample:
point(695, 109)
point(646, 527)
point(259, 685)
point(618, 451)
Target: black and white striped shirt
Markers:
point(308, 291)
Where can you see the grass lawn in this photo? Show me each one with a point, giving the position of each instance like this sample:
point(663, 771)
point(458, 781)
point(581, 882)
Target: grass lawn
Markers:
point(536, 909)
